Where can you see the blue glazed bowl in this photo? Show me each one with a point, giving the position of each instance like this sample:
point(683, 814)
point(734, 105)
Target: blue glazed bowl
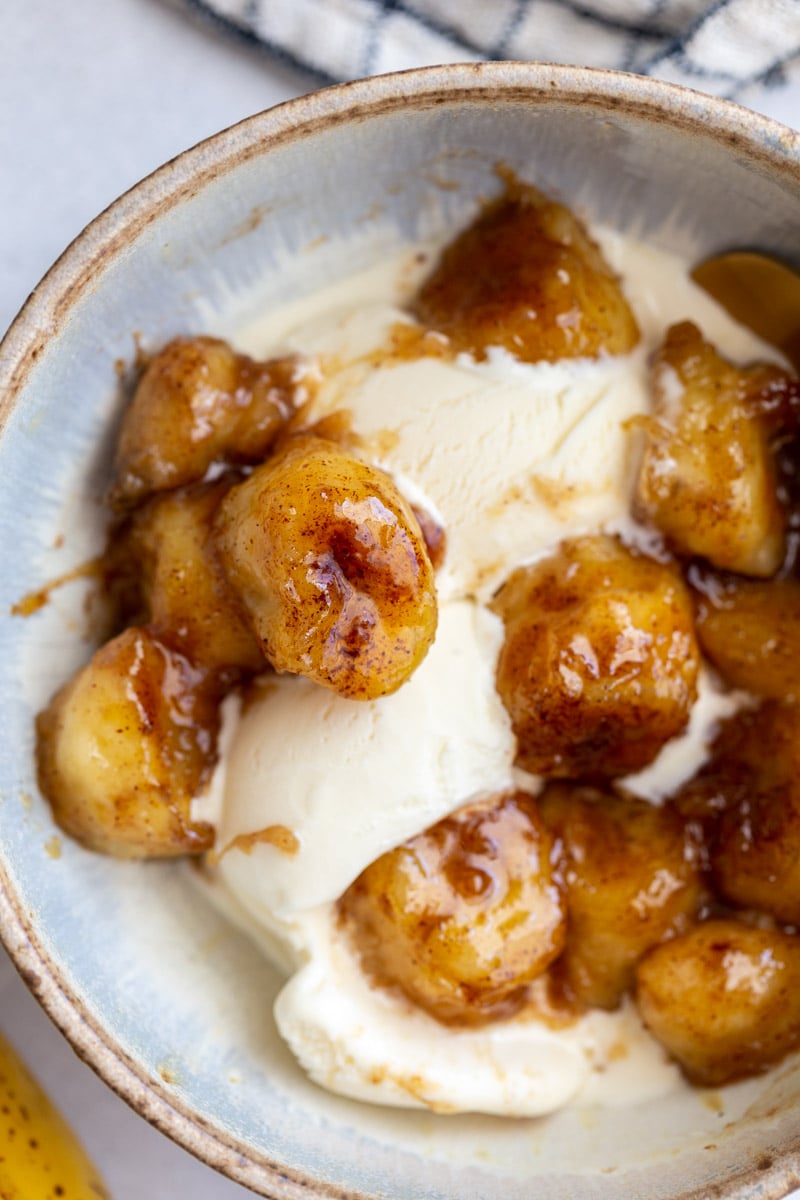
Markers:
point(153, 988)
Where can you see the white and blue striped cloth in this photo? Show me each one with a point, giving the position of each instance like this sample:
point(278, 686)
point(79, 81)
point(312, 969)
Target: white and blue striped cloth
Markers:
point(723, 46)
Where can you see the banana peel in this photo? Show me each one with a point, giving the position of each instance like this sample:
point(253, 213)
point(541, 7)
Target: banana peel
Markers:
point(40, 1157)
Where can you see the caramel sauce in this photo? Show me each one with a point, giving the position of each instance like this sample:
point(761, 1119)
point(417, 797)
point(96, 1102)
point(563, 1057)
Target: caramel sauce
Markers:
point(413, 1085)
point(279, 836)
point(32, 602)
point(336, 426)
point(408, 342)
point(433, 534)
point(52, 847)
point(548, 1002)
point(558, 497)
point(382, 442)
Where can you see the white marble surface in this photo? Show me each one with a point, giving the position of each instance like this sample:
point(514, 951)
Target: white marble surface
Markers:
point(94, 94)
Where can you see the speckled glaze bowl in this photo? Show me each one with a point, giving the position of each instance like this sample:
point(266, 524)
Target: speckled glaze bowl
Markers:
point(168, 1004)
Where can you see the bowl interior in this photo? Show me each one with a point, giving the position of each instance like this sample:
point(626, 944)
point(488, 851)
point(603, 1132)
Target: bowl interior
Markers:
point(150, 983)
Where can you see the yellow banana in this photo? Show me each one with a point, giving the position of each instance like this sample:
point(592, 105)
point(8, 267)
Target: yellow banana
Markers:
point(40, 1157)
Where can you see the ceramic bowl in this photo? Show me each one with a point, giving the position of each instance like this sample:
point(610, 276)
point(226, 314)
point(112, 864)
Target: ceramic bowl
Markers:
point(169, 1004)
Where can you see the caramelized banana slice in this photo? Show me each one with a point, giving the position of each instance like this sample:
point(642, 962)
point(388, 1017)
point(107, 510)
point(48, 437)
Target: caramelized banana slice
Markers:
point(123, 748)
point(750, 631)
point(185, 597)
point(599, 666)
point(332, 568)
point(526, 276)
point(199, 402)
point(753, 781)
point(465, 914)
point(631, 878)
point(724, 999)
point(708, 479)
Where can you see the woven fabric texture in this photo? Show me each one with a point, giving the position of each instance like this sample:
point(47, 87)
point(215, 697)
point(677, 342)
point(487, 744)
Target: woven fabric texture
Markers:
point(723, 47)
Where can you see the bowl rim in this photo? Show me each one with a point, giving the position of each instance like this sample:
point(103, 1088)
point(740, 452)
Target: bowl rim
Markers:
point(760, 138)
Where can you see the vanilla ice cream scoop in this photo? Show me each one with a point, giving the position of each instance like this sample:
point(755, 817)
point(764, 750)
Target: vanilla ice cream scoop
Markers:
point(510, 457)
point(317, 786)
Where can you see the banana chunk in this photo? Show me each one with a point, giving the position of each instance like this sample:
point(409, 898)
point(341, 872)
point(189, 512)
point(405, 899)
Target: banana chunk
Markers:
point(599, 665)
point(750, 630)
point(708, 480)
point(177, 587)
point(40, 1157)
point(197, 403)
point(124, 747)
point(724, 999)
point(331, 566)
point(527, 276)
point(464, 915)
point(632, 878)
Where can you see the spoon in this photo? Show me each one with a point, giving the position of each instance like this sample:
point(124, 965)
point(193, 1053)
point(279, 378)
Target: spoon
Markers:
point(760, 292)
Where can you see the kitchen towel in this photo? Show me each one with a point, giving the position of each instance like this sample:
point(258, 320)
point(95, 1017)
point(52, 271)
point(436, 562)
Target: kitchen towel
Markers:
point(723, 47)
